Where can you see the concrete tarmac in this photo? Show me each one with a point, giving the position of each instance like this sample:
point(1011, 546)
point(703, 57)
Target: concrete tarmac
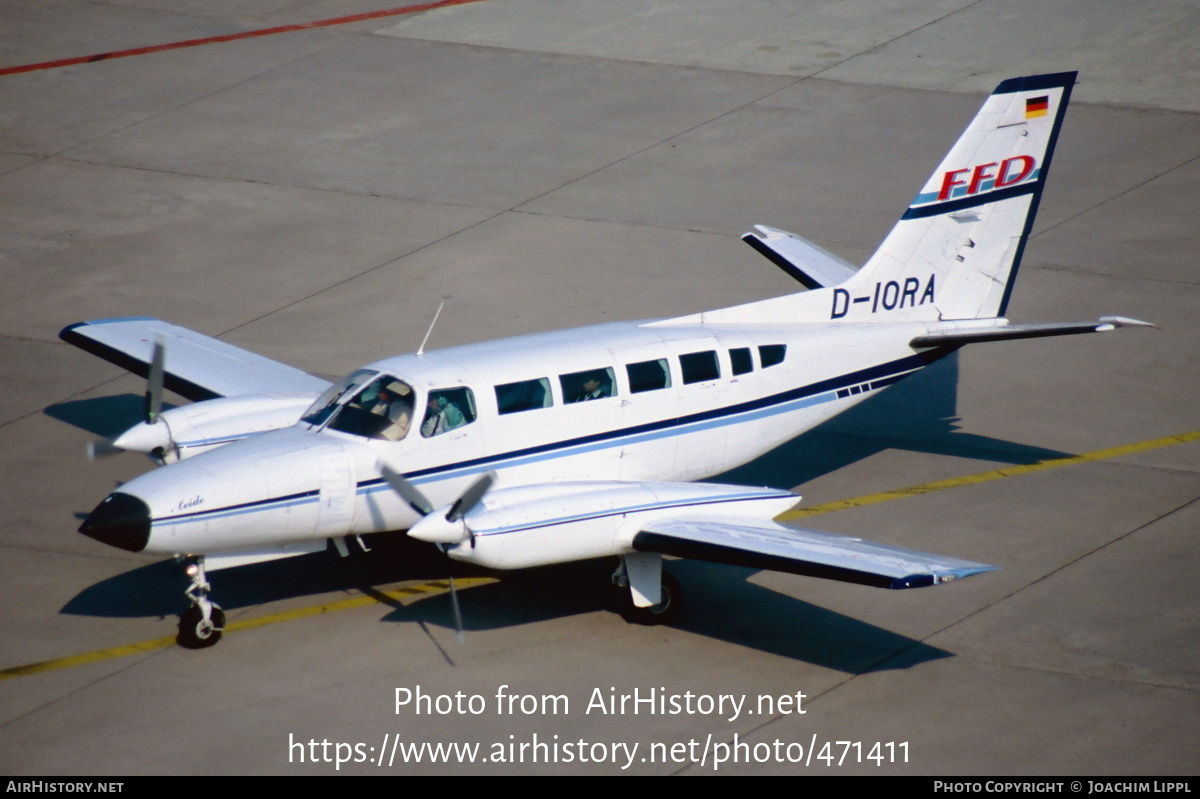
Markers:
point(314, 195)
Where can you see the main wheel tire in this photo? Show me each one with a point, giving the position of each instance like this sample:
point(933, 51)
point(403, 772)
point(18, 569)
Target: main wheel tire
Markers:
point(665, 612)
point(195, 632)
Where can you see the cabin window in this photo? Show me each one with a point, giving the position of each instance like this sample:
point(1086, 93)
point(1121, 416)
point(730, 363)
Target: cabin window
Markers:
point(524, 396)
point(771, 354)
point(699, 366)
point(741, 361)
point(447, 409)
point(648, 376)
point(382, 410)
point(589, 385)
point(325, 404)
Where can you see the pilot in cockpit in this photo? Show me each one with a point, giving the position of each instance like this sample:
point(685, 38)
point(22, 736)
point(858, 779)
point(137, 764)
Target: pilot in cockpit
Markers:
point(395, 401)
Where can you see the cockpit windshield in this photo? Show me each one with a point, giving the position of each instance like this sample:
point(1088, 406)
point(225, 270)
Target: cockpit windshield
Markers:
point(382, 410)
point(319, 411)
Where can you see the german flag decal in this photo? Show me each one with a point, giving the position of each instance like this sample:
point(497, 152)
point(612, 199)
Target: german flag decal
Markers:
point(1037, 106)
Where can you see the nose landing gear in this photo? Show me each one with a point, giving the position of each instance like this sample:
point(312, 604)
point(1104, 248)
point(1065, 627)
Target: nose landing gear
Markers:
point(201, 625)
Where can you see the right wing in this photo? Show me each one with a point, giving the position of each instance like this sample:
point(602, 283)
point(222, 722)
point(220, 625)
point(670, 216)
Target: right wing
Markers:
point(766, 545)
point(198, 367)
point(705, 521)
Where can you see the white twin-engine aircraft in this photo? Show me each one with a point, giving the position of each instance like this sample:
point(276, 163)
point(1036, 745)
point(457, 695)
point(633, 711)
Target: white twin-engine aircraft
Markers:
point(580, 444)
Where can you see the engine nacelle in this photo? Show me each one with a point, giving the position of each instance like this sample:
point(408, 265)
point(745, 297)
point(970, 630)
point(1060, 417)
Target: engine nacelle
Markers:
point(188, 430)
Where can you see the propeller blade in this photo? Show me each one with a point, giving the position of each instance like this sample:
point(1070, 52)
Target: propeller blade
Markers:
point(154, 383)
point(407, 491)
point(102, 448)
point(470, 497)
point(458, 622)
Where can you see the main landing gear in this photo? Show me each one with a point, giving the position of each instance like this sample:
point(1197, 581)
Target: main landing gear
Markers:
point(201, 625)
point(635, 580)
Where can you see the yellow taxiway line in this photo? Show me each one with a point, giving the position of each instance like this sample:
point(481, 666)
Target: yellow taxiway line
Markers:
point(433, 588)
point(409, 593)
point(984, 477)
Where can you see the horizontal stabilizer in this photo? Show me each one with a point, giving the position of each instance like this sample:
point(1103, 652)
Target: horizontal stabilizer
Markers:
point(804, 261)
point(807, 552)
point(197, 367)
point(958, 337)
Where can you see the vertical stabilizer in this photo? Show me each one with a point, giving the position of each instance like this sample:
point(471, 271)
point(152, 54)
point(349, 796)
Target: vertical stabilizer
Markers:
point(955, 252)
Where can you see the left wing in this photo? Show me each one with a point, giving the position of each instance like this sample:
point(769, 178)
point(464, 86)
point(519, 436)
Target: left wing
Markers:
point(197, 367)
point(766, 545)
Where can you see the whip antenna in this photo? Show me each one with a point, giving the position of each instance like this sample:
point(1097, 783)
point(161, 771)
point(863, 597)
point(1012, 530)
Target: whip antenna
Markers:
point(421, 349)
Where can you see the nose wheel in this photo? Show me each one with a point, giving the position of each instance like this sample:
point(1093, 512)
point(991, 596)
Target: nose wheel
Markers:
point(201, 625)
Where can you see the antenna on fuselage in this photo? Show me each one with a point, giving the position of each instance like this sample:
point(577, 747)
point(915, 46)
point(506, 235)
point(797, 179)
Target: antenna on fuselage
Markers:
point(421, 349)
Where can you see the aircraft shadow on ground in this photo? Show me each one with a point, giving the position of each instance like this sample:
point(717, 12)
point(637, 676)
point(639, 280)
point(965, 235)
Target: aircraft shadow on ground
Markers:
point(920, 414)
point(720, 602)
point(106, 417)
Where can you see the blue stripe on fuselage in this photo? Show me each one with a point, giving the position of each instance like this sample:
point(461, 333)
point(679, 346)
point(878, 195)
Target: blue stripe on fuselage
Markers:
point(783, 402)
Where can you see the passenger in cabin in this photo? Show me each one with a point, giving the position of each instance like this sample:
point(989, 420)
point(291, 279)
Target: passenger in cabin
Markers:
point(594, 386)
point(395, 401)
point(441, 416)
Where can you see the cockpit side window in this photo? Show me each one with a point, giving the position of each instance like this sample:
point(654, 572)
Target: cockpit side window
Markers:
point(325, 404)
point(382, 410)
point(447, 409)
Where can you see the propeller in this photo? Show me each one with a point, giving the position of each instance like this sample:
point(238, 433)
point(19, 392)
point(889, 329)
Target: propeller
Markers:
point(154, 382)
point(447, 529)
point(101, 448)
point(407, 491)
point(437, 528)
point(153, 435)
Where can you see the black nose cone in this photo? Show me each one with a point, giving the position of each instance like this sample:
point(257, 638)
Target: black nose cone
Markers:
point(121, 520)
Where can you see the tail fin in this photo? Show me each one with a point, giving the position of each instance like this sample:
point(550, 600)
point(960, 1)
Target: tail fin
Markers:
point(955, 252)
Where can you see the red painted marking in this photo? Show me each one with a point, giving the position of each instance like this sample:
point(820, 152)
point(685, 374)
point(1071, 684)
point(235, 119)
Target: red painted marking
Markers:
point(233, 37)
point(1003, 178)
point(949, 181)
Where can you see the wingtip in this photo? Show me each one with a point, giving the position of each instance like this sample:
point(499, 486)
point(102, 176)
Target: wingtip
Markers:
point(1124, 321)
point(942, 576)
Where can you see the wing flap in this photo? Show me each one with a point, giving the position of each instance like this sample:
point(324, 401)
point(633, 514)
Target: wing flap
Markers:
point(806, 552)
point(198, 367)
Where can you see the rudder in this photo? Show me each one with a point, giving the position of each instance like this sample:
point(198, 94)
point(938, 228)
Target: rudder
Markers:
point(955, 252)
